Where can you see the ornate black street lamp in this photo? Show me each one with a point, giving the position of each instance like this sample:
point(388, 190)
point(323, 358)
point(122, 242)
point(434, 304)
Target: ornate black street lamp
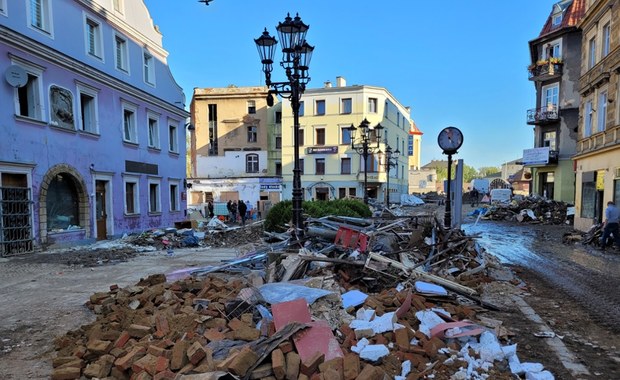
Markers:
point(389, 163)
point(296, 55)
point(362, 147)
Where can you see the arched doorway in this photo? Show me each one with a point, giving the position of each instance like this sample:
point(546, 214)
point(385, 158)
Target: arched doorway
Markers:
point(63, 203)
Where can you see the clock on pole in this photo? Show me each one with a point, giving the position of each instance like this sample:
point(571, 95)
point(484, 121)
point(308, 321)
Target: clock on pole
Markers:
point(450, 140)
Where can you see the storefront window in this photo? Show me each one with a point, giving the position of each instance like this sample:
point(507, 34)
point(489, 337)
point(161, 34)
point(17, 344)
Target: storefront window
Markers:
point(62, 204)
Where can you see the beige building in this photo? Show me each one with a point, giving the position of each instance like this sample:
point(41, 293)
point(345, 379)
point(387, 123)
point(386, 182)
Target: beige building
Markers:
point(597, 161)
point(330, 167)
point(234, 150)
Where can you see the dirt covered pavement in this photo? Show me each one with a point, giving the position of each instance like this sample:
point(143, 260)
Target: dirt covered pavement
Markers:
point(43, 297)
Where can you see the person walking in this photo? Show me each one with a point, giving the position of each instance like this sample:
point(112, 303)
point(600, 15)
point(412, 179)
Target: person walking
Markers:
point(233, 209)
point(242, 211)
point(611, 225)
point(474, 197)
point(210, 208)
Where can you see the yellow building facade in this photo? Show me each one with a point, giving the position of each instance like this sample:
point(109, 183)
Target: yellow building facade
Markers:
point(331, 169)
point(597, 162)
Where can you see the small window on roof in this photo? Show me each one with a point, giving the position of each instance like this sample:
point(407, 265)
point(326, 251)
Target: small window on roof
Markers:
point(557, 19)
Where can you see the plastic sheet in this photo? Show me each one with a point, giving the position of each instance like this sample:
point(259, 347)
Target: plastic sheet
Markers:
point(277, 292)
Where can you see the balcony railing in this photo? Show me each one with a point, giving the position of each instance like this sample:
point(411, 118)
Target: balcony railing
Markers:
point(545, 71)
point(543, 115)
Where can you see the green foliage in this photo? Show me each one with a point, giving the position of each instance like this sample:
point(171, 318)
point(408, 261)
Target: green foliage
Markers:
point(282, 212)
point(486, 170)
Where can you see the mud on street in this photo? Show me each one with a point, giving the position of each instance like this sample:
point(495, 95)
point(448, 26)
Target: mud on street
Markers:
point(572, 288)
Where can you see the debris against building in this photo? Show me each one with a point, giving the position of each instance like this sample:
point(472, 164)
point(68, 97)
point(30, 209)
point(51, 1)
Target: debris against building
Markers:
point(388, 297)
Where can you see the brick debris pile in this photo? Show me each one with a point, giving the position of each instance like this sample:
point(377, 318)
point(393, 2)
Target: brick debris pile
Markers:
point(356, 313)
point(532, 209)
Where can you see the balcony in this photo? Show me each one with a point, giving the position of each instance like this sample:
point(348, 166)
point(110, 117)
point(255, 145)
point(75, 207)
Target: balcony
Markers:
point(545, 71)
point(544, 115)
point(541, 156)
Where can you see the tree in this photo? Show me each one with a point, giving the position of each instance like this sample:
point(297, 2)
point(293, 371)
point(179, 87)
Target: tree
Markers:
point(486, 170)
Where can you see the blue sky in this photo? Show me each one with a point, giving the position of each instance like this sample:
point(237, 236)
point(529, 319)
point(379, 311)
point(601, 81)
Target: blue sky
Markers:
point(454, 62)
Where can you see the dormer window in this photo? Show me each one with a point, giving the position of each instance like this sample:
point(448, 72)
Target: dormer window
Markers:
point(556, 19)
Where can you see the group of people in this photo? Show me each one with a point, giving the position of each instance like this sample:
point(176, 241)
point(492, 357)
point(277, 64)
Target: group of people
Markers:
point(236, 209)
point(239, 208)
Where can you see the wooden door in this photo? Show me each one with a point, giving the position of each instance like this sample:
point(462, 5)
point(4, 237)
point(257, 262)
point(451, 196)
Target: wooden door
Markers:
point(100, 209)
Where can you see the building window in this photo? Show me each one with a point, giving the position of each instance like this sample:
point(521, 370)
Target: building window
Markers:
point(588, 198)
point(587, 123)
point(40, 15)
point(617, 189)
point(606, 39)
point(301, 108)
point(252, 134)
point(93, 38)
point(278, 142)
point(130, 133)
point(342, 192)
point(345, 165)
point(372, 105)
point(320, 107)
point(28, 98)
point(346, 106)
point(278, 168)
point(149, 69)
point(154, 196)
point(592, 53)
point(132, 205)
point(345, 136)
point(352, 192)
point(398, 119)
point(549, 139)
point(213, 149)
point(319, 166)
point(251, 106)
point(301, 166)
point(300, 137)
point(386, 110)
point(556, 19)
point(89, 117)
point(173, 140)
point(121, 54)
point(251, 163)
point(174, 196)
point(602, 111)
point(62, 203)
point(278, 117)
point(550, 99)
point(153, 125)
point(320, 136)
point(61, 106)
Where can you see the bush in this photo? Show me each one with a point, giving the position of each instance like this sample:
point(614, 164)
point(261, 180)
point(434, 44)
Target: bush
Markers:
point(282, 213)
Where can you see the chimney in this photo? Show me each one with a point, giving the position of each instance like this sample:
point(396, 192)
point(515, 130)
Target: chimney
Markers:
point(341, 82)
point(328, 84)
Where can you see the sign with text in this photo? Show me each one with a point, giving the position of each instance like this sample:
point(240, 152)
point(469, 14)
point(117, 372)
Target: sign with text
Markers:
point(536, 156)
point(322, 150)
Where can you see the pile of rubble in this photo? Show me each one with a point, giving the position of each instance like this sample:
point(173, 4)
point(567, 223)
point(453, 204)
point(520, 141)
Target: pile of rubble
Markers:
point(352, 299)
point(533, 209)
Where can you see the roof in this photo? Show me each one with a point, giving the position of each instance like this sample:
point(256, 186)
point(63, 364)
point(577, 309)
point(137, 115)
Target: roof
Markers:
point(436, 164)
point(573, 10)
point(414, 130)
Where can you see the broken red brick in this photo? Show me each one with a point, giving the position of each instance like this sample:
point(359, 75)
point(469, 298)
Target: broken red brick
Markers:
point(278, 364)
point(311, 365)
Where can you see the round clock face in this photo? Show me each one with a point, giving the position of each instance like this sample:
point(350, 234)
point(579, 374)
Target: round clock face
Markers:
point(450, 140)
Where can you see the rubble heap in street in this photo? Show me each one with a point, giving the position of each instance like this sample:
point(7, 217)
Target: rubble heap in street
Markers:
point(354, 299)
point(532, 209)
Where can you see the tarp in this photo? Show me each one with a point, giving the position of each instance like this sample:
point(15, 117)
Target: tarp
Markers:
point(410, 200)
